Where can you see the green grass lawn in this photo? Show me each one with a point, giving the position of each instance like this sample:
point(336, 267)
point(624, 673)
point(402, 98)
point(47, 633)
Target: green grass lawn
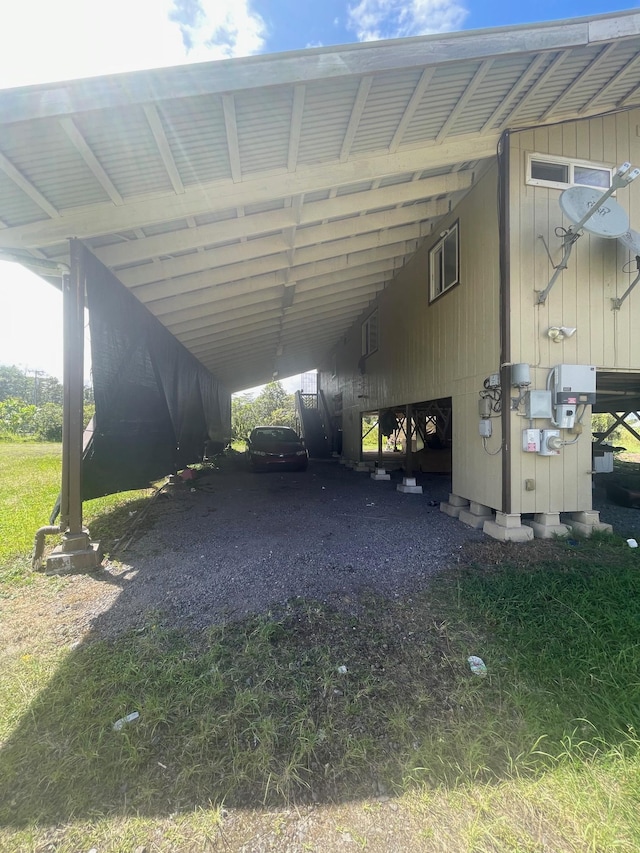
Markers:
point(242, 721)
point(29, 485)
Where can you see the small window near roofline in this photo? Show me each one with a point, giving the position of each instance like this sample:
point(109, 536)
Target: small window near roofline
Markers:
point(370, 334)
point(444, 263)
point(544, 170)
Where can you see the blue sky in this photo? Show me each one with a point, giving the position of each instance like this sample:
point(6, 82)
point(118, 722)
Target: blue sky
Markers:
point(45, 40)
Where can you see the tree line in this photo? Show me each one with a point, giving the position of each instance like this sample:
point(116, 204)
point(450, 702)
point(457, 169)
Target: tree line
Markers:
point(272, 406)
point(31, 405)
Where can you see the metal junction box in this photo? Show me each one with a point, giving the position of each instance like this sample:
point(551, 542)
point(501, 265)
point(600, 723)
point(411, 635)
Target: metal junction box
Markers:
point(538, 404)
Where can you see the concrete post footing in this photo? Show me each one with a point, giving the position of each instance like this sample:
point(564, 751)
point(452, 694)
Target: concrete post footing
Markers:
point(547, 525)
point(475, 515)
point(507, 527)
point(454, 505)
point(380, 474)
point(76, 554)
point(584, 523)
point(409, 486)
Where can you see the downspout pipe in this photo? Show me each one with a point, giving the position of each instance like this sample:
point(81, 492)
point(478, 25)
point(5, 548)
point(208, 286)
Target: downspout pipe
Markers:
point(505, 311)
point(38, 543)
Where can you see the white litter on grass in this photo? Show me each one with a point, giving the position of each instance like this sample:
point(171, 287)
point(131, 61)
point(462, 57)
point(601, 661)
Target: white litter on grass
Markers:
point(342, 670)
point(119, 724)
point(632, 543)
point(477, 666)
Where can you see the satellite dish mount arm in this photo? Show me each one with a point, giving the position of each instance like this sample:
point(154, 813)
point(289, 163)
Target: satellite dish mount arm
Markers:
point(616, 303)
point(569, 239)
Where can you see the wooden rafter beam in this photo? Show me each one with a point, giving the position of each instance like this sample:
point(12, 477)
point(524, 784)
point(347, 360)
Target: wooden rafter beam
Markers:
point(219, 196)
point(87, 154)
point(162, 143)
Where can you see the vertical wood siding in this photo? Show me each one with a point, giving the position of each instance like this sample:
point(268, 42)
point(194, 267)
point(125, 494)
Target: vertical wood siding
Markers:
point(443, 349)
point(581, 296)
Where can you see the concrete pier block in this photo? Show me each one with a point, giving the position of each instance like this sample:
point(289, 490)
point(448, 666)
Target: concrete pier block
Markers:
point(380, 474)
point(508, 527)
point(475, 515)
point(547, 525)
point(454, 505)
point(585, 522)
point(409, 486)
point(76, 554)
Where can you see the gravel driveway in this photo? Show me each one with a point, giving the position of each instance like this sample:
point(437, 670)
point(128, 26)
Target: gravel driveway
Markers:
point(244, 542)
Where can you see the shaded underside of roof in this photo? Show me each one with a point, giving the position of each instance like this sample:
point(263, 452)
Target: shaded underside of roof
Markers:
point(257, 206)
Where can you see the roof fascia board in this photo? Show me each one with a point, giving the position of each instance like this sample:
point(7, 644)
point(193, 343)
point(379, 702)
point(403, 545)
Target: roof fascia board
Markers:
point(296, 67)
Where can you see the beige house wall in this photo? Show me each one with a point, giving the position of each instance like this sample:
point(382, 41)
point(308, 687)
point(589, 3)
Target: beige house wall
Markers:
point(581, 297)
point(428, 351)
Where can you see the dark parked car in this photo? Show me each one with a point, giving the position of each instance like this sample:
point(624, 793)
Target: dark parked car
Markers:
point(272, 447)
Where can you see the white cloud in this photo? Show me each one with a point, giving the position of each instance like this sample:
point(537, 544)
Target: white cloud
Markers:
point(41, 40)
point(383, 19)
point(212, 29)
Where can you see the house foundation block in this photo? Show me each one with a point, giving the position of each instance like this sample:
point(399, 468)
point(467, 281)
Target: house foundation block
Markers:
point(380, 474)
point(76, 554)
point(584, 523)
point(508, 527)
point(475, 515)
point(409, 486)
point(361, 466)
point(454, 505)
point(546, 525)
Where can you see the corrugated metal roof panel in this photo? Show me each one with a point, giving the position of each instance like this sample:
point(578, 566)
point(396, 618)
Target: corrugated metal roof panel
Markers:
point(196, 133)
point(264, 126)
point(326, 119)
point(16, 208)
point(124, 145)
point(387, 101)
point(31, 147)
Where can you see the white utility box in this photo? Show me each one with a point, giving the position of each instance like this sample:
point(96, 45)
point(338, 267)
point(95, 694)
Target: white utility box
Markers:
point(531, 440)
point(484, 428)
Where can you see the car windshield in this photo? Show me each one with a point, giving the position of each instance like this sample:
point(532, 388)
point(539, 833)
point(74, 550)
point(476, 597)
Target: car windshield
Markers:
point(275, 434)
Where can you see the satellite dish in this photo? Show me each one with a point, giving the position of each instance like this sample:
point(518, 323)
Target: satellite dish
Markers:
point(606, 219)
point(631, 239)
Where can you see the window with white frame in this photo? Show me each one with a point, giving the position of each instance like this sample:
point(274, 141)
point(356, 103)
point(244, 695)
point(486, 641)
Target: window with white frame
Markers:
point(444, 263)
point(370, 334)
point(545, 170)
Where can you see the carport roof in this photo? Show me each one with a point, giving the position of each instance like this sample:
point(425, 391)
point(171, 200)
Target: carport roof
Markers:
point(257, 206)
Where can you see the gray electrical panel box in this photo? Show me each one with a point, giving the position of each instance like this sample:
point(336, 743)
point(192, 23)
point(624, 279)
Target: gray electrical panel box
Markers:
point(538, 404)
point(575, 383)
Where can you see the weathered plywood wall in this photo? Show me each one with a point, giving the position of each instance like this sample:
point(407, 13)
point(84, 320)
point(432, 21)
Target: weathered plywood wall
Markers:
point(581, 297)
point(428, 351)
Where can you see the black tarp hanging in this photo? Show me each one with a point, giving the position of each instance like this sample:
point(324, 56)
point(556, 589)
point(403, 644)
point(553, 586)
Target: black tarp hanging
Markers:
point(156, 405)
